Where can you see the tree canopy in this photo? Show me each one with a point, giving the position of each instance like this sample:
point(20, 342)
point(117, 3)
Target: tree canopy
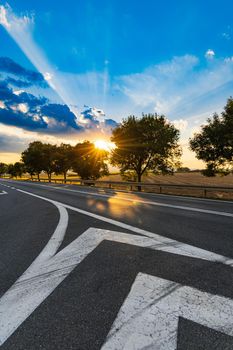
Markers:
point(147, 143)
point(63, 159)
point(16, 169)
point(3, 168)
point(89, 162)
point(33, 158)
point(214, 143)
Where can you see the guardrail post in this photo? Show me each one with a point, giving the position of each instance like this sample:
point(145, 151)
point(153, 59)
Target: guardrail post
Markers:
point(110, 185)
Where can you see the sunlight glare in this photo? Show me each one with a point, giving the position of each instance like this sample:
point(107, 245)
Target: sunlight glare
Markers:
point(104, 145)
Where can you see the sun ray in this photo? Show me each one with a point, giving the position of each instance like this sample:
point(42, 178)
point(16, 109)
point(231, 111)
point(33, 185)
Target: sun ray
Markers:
point(104, 145)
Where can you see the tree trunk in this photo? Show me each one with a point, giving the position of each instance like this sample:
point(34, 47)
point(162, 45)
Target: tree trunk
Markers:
point(38, 176)
point(139, 180)
point(65, 177)
point(49, 176)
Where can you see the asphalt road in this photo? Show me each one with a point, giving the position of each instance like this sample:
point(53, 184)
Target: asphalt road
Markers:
point(84, 268)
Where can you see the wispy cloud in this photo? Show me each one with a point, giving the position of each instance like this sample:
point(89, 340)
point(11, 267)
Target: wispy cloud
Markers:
point(20, 28)
point(92, 86)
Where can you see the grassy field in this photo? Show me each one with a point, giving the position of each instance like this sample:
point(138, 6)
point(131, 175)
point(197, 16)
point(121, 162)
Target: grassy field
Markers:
point(182, 179)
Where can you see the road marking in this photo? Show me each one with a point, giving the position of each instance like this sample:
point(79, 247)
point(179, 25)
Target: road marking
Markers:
point(3, 192)
point(148, 318)
point(42, 277)
point(158, 204)
point(55, 241)
point(171, 245)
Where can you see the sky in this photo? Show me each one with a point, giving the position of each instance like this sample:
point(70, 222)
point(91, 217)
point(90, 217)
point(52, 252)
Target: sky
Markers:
point(71, 71)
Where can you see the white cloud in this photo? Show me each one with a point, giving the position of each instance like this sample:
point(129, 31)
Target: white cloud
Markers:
point(48, 76)
point(3, 17)
point(23, 107)
point(228, 59)
point(210, 54)
point(181, 124)
point(2, 105)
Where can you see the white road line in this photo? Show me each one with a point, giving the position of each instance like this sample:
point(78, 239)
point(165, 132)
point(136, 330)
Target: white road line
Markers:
point(158, 204)
point(3, 192)
point(189, 198)
point(149, 317)
point(168, 244)
point(55, 241)
point(40, 280)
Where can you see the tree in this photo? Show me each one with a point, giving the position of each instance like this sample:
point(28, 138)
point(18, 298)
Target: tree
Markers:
point(183, 169)
point(89, 162)
point(3, 169)
point(63, 159)
point(48, 154)
point(214, 143)
point(19, 169)
point(16, 169)
point(147, 143)
point(33, 158)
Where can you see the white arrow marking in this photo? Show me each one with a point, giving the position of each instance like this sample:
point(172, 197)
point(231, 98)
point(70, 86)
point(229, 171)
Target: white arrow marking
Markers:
point(3, 192)
point(45, 274)
point(149, 317)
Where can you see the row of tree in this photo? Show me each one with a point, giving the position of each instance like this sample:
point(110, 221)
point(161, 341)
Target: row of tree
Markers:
point(142, 144)
point(84, 159)
point(149, 143)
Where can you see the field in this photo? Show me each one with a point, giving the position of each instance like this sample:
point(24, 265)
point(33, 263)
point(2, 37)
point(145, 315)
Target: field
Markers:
point(194, 178)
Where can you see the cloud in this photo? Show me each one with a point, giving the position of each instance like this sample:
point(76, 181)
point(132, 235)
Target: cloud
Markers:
point(29, 112)
point(180, 124)
point(18, 82)
point(60, 113)
point(110, 123)
point(18, 118)
point(34, 113)
point(7, 65)
point(11, 144)
point(3, 16)
point(20, 28)
point(90, 117)
point(210, 54)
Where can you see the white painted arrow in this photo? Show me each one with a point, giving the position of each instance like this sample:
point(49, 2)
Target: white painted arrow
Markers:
point(149, 317)
point(3, 192)
point(47, 271)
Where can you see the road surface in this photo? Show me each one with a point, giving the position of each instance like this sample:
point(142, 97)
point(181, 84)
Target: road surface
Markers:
point(86, 268)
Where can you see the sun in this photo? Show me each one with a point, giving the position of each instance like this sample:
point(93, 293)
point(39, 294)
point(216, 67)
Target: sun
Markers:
point(104, 145)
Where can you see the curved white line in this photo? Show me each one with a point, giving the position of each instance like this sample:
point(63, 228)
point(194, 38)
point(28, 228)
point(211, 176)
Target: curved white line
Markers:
point(52, 246)
point(55, 241)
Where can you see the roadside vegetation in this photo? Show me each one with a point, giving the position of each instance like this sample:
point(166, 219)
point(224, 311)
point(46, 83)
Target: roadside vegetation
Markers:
point(145, 148)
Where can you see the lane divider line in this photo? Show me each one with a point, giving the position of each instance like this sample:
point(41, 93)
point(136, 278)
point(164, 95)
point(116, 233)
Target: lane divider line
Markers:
point(141, 201)
point(166, 244)
point(158, 204)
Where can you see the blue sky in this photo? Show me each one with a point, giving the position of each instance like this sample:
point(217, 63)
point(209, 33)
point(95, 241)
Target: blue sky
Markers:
point(118, 57)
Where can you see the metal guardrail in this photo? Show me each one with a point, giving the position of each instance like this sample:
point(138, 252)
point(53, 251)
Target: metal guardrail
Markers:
point(135, 185)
